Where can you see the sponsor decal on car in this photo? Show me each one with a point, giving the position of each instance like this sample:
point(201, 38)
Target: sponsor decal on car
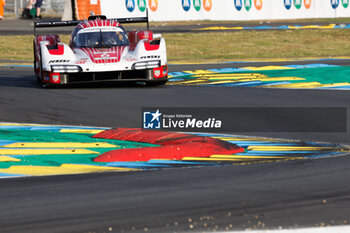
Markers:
point(157, 73)
point(58, 61)
point(81, 61)
point(149, 56)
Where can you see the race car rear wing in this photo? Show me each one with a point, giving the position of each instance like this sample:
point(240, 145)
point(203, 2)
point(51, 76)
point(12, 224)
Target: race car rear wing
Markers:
point(39, 24)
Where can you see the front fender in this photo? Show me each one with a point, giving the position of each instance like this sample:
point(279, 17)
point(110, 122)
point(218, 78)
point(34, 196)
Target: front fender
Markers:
point(57, 54)
point(151, 50)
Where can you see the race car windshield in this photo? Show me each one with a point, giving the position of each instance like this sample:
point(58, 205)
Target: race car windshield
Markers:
point(100, 39)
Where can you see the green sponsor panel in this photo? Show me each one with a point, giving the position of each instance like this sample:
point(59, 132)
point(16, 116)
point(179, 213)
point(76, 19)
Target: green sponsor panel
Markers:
point(248, 4)
point(298, 3)
point(142, 5)
point(197, 4)
point(345, 3)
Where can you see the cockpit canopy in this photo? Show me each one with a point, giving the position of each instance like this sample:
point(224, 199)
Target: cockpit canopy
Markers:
point(99, 37)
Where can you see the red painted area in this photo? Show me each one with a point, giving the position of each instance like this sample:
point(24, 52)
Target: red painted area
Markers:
point(174, 146)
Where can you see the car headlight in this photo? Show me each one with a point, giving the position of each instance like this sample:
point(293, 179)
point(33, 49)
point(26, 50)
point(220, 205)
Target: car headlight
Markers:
point(146, 65)
point(65, 69)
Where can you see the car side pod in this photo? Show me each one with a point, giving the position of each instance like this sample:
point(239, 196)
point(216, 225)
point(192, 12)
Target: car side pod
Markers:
point(172, 146)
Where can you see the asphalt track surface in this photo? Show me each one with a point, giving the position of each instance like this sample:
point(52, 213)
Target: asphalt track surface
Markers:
point(288, 194)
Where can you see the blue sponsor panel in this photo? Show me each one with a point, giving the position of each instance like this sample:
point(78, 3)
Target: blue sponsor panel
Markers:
point(186, 5)
point(334, 3)
point(130, 5)
point(287, 4)
point(238, 4)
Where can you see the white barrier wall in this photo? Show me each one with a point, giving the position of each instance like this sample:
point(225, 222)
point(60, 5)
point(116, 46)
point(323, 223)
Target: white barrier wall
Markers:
point(172, 10)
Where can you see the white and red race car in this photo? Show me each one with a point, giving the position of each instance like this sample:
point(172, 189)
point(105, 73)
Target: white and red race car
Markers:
point(100, 50)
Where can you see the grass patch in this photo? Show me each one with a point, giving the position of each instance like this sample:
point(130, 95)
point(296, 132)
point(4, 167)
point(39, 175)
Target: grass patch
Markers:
point(224, 46)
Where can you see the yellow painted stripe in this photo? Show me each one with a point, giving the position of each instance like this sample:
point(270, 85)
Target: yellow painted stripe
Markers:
point(267, 68)
point(199, 72)
point(221, 82)
point(8, 159)
point(194, 81)
point(297, 85)
point(45, 151)
point(208, 159)
point(59, 145)
point(248, 157)
point(330, 26)
point(289, 148)
point(253, 139)
point(61, 170)
point(259, 78)
point(88, 131)
point(335, 84)
point(233, 75)
point(231, 159)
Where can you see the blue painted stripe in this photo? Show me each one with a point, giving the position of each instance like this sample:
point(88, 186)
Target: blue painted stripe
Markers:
point(341, 26)
point(338, 87)
point(283, 27)
point(6, 175)
point(16, 65)
point(228, 70)
point(276, 83)
point(177, 162)
point(176, 79)
point(175, 74)
point(138, 165)
point(6, 142)
point(316, 65)
point(261, 144)
point(240, 84)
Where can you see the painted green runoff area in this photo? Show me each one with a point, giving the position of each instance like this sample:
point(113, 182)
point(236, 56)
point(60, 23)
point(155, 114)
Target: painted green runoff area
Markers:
point(59, 159)
point(323, 75)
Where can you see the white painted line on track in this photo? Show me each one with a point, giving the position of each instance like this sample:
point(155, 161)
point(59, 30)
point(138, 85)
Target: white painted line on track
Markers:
point(331, 229)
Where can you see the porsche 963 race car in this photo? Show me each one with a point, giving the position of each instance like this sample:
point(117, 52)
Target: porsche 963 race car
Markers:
point(100, 50)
